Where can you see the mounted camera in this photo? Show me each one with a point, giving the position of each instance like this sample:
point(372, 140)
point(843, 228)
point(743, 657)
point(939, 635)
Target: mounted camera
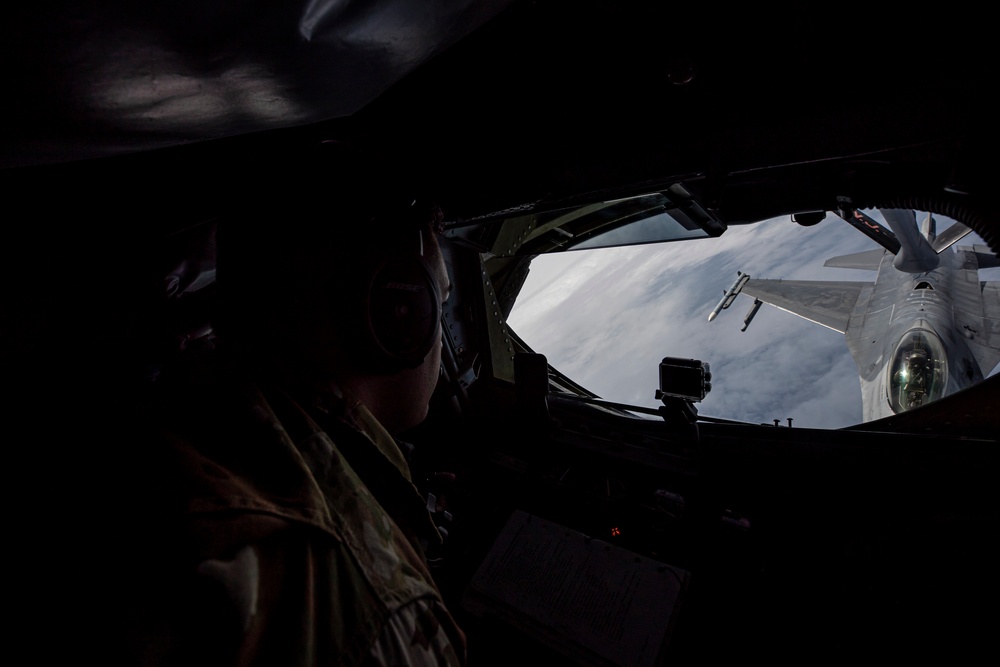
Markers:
point(683, 382)
point(686, 379)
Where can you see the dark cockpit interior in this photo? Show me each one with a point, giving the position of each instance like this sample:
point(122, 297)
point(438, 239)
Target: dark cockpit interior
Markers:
point(539, 127)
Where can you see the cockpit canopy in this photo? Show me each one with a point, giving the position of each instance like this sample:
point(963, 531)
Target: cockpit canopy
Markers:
point(918, 373)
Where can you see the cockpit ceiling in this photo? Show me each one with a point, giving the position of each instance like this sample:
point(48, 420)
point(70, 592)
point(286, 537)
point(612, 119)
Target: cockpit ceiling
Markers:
point(115, 77)
point(501, 104)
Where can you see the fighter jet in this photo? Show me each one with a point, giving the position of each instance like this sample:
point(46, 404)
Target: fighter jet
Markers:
point(925, 328)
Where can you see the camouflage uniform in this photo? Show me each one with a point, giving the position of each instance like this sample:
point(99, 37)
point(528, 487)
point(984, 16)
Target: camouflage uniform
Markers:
point(291, 538)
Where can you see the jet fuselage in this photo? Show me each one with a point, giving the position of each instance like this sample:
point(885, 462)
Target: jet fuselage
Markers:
point(908, 315)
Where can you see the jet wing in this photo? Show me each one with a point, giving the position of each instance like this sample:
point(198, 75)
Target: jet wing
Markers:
point(986, 341)
point(991, 300)
point(829, 303)
point(869, 260)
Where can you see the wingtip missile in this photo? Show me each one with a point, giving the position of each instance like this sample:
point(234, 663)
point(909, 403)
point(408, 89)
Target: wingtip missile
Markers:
point(728, 296)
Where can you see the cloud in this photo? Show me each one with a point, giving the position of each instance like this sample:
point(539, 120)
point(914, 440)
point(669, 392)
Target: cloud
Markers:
point(607, 317)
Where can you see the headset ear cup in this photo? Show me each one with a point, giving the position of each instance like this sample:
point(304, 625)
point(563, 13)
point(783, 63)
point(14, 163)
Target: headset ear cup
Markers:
point(401, 313)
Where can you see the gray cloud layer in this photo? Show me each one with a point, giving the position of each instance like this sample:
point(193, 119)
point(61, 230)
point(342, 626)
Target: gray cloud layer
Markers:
point(607, 317)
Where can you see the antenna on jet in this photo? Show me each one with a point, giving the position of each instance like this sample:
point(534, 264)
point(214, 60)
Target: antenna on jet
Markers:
point(929, 229)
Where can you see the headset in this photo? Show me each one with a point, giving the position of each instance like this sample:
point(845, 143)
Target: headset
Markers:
point(400, 310)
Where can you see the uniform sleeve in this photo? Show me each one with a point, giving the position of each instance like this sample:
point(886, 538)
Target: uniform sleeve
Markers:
point(294, 598)
point(419, 634)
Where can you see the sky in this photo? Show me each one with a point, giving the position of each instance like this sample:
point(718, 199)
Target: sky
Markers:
point(606, 318)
